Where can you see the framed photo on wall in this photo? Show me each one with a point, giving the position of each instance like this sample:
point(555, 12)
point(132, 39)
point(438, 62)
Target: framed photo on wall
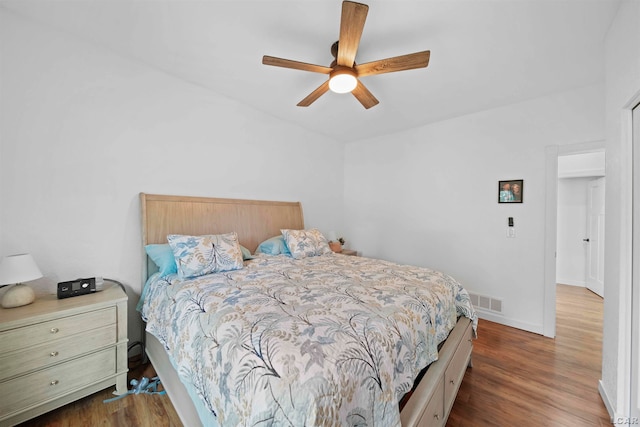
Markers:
point(510, 191)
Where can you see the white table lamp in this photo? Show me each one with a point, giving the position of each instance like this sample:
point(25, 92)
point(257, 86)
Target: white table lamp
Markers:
point(15, 269)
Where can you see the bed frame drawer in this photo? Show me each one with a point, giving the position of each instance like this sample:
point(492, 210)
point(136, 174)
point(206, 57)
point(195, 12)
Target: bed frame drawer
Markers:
point(433, 415)
point(457, 367)
point(436, 392)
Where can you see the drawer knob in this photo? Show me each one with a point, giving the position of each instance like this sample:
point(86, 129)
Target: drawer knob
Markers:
point(452, 382)
point(54, 330)
point(436, 416)
point(54, 382)
point(53, 354)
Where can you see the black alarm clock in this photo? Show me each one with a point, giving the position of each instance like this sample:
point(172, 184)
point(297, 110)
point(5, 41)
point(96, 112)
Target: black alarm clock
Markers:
point(77, 287)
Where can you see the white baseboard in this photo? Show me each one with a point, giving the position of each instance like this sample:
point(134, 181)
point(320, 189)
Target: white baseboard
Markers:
point(571, 282)
point(607, 401)
point(497, 318)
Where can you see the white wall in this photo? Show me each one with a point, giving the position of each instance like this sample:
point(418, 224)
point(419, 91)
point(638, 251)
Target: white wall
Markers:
point(622, 66)
point(572, 228)
point(428, 196)
point(84, 131)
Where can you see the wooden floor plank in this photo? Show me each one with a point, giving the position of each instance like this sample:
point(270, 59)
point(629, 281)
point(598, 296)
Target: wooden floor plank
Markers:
point(518, 379)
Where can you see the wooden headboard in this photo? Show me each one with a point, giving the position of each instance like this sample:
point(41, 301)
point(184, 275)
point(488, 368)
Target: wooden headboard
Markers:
point(253, 220)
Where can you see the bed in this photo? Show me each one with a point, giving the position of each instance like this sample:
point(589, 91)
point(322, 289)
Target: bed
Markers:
point(318, 340)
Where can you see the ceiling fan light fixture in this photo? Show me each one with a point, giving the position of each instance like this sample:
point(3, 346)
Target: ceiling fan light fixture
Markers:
point(343, 80)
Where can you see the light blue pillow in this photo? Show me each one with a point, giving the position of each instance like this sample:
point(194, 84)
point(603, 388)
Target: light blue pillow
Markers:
point(162, 255)
point(246, 253)
point(274, 246)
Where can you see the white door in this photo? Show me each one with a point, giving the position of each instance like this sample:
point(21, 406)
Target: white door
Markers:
point(594, 240)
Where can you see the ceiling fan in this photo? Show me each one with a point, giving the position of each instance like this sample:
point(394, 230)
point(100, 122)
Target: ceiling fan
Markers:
point(343, 72)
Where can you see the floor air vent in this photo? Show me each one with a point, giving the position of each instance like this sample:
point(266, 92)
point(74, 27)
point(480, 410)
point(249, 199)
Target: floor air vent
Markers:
point(485, 303)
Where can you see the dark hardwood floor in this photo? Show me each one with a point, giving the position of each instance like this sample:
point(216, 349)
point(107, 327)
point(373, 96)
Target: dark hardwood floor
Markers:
point(524, 379)
point(518, 379)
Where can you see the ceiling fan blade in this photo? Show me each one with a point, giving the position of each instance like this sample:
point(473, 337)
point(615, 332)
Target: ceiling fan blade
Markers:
point(397, 63)
point(321, 90)
point(296, 65)
point(365, 97)
point(351, 25)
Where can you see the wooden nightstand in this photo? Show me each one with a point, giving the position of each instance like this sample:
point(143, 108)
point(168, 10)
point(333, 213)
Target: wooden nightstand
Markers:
point(53, 352)
point(349, 252)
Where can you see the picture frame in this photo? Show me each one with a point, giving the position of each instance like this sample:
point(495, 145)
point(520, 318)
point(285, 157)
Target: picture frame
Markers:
point(510, 191)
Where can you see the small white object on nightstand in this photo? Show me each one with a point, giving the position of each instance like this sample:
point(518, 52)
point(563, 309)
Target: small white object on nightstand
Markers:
point(17, 269)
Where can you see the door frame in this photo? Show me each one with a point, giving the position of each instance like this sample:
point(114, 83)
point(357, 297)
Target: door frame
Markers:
point(552, 153)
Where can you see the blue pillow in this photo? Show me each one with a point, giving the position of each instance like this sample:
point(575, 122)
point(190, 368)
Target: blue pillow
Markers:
point(162, 255)
point(274, 246)
point(246, 253)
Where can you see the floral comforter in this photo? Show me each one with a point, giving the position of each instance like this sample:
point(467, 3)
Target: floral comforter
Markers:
point(323, 341)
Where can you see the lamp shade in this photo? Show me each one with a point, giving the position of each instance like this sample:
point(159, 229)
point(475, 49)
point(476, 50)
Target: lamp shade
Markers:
point(18, 268)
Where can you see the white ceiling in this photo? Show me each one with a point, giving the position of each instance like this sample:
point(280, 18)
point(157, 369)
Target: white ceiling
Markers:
point(484, 53)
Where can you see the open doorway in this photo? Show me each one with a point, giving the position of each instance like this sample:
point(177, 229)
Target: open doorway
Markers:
point(580, 220)
point(553, 154)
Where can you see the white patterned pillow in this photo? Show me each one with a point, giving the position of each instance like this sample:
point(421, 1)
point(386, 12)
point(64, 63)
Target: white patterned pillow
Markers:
point(199, 255)
point(306, 243)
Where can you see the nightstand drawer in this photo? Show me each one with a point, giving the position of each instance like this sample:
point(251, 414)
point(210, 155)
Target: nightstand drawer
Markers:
point(50, 383)
point(64, 327)
point(41, 356)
